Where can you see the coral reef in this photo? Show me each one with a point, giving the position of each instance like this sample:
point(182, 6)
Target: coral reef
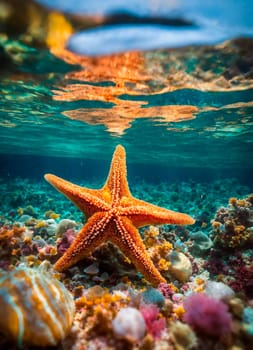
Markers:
point(233, 225)
point(106, 285)
point(232, 231)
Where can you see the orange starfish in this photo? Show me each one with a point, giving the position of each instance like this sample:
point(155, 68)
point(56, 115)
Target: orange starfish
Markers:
point(113, 214)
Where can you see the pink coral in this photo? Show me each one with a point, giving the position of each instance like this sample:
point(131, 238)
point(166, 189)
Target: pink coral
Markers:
point(166, 289)
point(207, 315)
point(66, 240)
point(154, 325)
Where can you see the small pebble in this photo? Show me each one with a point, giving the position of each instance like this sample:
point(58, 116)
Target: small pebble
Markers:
point(219, 290)
point(129, 324)
point(92, 269)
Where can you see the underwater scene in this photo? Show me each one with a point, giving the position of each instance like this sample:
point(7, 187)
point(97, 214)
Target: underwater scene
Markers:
point(126, 146)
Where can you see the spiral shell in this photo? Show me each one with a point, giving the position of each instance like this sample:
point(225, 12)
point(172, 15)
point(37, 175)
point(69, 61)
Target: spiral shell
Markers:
point(35, 308)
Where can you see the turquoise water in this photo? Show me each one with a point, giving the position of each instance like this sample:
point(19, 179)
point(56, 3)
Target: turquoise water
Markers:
point(186, 111)
point(216, 135)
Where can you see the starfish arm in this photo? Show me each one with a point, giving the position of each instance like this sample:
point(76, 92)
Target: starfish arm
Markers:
point(88, 239)
point(142, 213)
point(130, 243)
point(116, 183)
point(88, 200)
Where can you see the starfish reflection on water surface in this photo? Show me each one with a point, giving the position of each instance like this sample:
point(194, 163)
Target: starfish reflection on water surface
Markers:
point(114, 215)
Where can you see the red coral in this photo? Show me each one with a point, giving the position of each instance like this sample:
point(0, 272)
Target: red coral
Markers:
point(154, 325)
point(207, 315)
point(237, 268)
point(242, 273)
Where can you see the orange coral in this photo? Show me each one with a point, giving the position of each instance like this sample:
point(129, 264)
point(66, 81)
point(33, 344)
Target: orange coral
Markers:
point(216, 224)
point(232, 200)
point(7, 232)
point(105, 300)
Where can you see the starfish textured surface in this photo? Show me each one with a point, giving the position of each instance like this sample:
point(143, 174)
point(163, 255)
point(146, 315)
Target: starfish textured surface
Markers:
point(114, 215)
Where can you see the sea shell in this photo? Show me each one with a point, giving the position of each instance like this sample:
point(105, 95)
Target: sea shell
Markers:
point(180, 267)
point(35, 308)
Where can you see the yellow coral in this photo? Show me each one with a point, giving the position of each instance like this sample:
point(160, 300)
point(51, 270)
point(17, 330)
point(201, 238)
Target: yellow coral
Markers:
point(153, 231)
point(163, 264)
point(239, 228)
point(54, 216)
point(32, 260)
point(106, 300)
point(179, 311)
point(20, 211)
point(239, 238)
point(50, 214)
point(150, 236)
point(164, 248)
point(40, 224)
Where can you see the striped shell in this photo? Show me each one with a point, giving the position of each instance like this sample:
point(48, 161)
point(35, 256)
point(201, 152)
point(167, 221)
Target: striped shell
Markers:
point(35, 308)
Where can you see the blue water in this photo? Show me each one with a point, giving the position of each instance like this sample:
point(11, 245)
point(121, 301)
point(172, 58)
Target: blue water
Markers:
point(180, 112)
